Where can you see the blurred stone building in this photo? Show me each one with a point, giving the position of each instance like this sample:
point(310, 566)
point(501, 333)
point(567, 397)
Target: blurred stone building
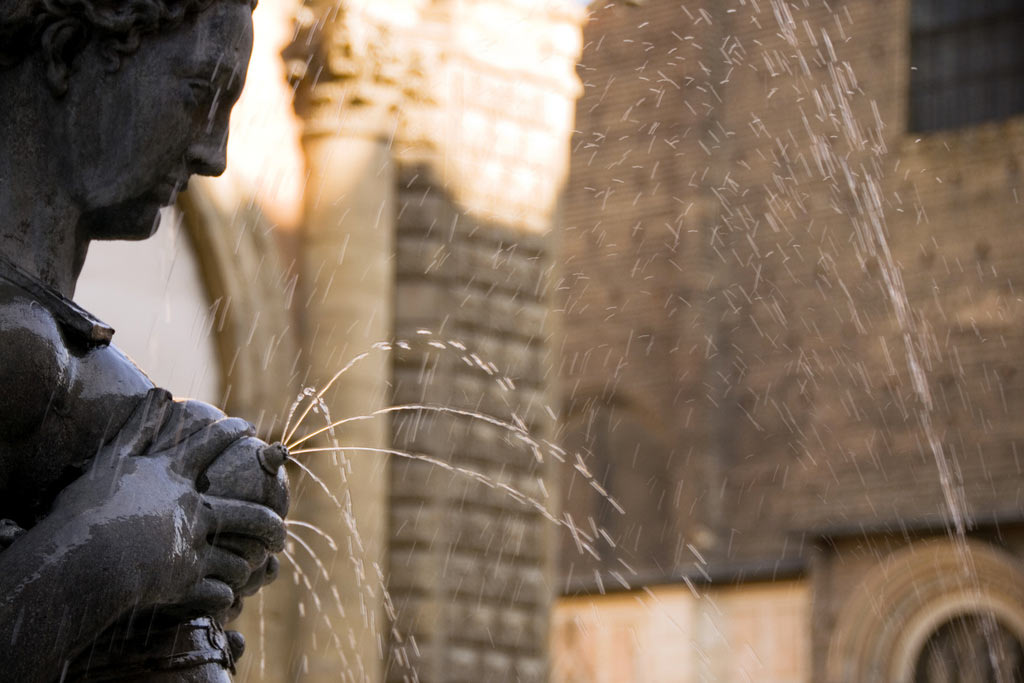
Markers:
point(755, 185)
point(394, 181)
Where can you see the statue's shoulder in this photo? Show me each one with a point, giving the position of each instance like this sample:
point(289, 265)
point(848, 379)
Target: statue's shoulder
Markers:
point(35, 364)
point(23, 319)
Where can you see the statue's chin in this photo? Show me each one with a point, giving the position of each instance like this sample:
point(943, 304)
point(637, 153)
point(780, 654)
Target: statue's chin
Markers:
point(132, 220)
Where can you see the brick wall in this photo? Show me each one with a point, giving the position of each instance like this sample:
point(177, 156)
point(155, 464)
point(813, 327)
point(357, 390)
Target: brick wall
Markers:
point(469, 562)
point(471, 104)
point(712, 280)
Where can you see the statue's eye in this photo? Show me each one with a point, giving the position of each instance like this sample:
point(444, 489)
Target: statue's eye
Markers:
point(201, 91)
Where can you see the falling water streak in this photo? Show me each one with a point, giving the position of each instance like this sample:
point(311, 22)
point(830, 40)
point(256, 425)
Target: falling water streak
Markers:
point(469, 358)
point(321, 568)
point(318, 481)
point(538, 448)
point(516, 495)
point(867, 199)
point(324, 574)
point(315, 529)
point(263, 637)
point(953, 494)
point(401, 653)
point(912, 338)
point(515, 429)
point(304, 579)
point(360, 575)
point(289, 434)
point(871, 231)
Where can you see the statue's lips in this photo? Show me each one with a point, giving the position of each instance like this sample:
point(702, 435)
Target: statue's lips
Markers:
point(166, 191)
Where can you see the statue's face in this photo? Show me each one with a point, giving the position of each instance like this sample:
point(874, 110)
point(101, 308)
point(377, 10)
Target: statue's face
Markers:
point(136, 132)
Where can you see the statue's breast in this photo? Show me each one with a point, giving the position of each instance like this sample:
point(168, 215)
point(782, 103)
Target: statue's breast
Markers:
point(105, 388)
point(60, 400)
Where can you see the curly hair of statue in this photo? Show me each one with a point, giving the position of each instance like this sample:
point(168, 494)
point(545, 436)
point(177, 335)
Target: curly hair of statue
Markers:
point(27, 25)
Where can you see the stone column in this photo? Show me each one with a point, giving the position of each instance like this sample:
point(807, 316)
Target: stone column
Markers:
point(478, 99)
point(347, 292)
point(347, 252)
point(483, 155)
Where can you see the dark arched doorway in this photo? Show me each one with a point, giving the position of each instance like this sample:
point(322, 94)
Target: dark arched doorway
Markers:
point(971, 648)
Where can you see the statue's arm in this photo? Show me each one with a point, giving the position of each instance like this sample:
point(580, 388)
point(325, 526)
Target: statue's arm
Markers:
point(43, 609)
point(130, 534)
point(76, 572)
point(61, 584)
point(34, 366)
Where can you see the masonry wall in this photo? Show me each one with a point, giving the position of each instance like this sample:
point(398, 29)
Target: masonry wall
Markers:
point(717, 282)
point(758, 632)
point(470, 550)
point(482, 154)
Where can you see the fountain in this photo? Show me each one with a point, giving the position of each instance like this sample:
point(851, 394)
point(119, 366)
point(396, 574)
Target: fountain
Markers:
point(133, 524)
point(100, 203)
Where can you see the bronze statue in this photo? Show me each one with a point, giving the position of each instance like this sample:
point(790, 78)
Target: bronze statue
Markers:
point(132, 524)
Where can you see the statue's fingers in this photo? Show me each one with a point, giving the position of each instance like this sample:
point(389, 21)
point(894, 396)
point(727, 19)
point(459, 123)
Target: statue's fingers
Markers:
point(187, 418)
point(203, 447)
point(248, 519)
point(141, 428)
point(209, 596)
point(266, 575)
point(271, 570)
point(226, 567)
point(231, 614)
point(253, 585)
point(253, 551)
point(236, 641)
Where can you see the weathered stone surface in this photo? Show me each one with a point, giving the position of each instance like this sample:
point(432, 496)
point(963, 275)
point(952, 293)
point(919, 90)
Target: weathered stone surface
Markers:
point(711, 280)
point(121, 506)
point(717, 294)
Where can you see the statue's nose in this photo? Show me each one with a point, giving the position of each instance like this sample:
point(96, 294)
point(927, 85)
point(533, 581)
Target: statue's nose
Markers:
point(208, 155)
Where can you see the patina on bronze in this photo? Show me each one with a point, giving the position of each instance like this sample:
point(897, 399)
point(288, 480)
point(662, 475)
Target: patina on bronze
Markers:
point(132, 524)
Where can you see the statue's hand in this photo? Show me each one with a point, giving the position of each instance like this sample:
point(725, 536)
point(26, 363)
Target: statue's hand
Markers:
point(251, 472)
point(140, 501)
point(265, 575)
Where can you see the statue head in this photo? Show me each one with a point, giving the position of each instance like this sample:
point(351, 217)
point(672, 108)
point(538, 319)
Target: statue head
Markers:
point(137, 96)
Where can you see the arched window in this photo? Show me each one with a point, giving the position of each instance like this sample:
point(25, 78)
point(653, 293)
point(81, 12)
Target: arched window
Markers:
point(967, 60)
point(620, 493)
point(916, 618)
point(971, 649)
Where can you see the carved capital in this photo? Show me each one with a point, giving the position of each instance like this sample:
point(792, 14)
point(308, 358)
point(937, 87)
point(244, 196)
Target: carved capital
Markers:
point(353, 71)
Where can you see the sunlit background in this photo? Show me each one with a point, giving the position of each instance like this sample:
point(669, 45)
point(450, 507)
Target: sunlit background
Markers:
point(691, 329)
